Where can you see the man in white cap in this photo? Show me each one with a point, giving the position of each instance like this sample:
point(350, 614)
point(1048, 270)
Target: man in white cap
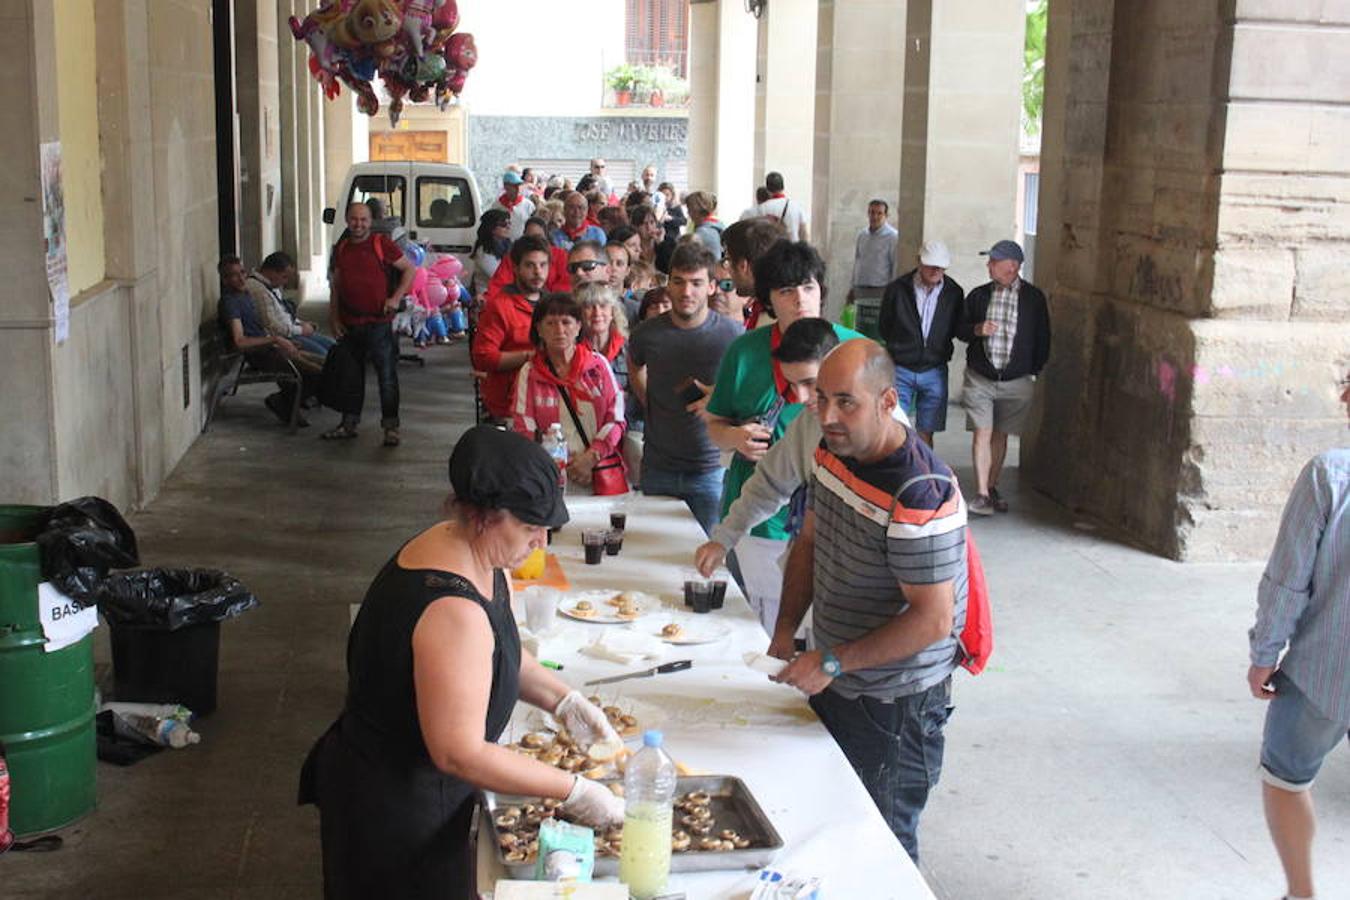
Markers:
point(921, 312)
point(1007, 328)
point(514, 202)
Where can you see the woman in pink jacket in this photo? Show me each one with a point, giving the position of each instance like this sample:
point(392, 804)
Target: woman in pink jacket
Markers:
point(563, 370)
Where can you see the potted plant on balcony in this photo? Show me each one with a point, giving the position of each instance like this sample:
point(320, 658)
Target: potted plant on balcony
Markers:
point(622, 79)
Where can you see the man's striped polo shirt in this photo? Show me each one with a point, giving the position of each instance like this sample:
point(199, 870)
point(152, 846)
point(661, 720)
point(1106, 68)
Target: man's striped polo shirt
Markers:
point(870, 541)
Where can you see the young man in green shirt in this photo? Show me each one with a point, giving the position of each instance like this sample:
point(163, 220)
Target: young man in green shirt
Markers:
point(752, 405)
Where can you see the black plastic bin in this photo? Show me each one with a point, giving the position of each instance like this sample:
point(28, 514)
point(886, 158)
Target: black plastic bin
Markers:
point(165, 629)
point(155, 666)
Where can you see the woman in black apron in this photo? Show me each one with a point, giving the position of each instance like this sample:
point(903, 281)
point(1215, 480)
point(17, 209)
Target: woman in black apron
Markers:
point(434, 669)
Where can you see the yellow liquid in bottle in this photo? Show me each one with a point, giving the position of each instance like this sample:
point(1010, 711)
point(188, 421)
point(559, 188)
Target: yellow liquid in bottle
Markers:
point(644, 861)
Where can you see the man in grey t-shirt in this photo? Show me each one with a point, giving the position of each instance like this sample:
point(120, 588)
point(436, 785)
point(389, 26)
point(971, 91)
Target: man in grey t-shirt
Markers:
point(672, 361)
point(881, 562)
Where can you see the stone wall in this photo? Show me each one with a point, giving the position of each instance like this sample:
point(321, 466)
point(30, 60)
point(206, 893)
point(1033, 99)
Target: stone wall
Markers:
point(1191, 207)
point(497, 141)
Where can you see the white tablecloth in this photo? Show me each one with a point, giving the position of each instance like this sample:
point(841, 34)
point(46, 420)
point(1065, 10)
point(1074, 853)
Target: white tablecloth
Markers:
point(722, 717)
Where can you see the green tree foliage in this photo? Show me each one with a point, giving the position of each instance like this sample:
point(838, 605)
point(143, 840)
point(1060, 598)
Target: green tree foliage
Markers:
point(1033, 67)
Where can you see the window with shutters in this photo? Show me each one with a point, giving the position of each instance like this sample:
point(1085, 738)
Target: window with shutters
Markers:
point(657, 34)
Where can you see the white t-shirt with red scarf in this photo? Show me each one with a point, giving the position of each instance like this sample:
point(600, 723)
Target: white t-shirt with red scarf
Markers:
point(520, 212)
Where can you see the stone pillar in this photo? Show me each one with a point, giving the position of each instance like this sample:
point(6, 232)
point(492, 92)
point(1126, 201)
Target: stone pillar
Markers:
point(784, 122)
point(963, 95)
point(1198, 334)
point(131, 254)
point(859, 63)
point(291, 56)
point(722, 102)
point(28, 471)
point(258, 101)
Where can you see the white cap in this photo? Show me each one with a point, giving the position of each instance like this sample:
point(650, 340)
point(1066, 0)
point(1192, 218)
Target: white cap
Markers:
point(934, 253)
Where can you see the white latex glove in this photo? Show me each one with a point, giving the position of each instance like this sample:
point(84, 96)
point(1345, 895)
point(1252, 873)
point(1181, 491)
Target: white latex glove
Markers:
point(593, 804)
point(586, 722)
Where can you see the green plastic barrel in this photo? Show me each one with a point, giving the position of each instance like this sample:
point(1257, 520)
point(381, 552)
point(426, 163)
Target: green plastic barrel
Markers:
point(46, 699)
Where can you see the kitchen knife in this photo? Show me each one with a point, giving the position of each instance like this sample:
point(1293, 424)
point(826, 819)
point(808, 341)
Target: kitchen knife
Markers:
point(678, 665)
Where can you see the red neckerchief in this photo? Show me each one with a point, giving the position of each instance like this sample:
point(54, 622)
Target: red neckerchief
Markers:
point(779, 379)
point(510, 204)
point(575, 235)
point(778, 196)
point(751, 312)
point(580, 360)
point(590, 221)
point(710, 219)
point(615, 345)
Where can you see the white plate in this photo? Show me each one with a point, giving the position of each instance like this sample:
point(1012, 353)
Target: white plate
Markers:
point(604, 610)
point(696, 633)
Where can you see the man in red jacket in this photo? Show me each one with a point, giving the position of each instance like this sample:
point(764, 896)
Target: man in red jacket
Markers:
point(502, 343)
point(361, 307)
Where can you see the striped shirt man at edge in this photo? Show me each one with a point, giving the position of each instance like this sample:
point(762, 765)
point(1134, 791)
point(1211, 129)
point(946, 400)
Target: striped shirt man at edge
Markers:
point(1304, 603)
point(885, 579)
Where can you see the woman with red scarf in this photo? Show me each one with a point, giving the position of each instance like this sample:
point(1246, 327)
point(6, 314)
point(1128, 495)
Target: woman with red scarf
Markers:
point(563, 372)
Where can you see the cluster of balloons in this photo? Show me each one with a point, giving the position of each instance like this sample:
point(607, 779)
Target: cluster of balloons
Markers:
point(411, 44)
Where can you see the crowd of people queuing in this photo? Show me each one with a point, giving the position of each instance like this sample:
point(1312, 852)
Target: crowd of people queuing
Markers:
point(691, 359)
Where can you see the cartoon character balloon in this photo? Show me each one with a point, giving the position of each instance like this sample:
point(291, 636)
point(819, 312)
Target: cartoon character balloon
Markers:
point(412, 45)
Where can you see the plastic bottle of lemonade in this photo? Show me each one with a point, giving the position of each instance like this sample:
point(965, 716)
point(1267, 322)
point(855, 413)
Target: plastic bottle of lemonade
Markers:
point(649, 791)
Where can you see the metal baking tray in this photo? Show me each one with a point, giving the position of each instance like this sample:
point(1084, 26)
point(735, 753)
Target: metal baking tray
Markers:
point(733, 807)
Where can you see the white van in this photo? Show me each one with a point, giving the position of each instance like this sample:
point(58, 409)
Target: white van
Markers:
point(438, 203)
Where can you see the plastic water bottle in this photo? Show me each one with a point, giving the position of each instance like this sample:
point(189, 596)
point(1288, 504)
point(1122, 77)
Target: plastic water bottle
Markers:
point(556, 445)
point(649, 793)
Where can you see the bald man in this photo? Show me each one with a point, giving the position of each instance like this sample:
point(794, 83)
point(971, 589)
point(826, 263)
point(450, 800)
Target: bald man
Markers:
point(361, 307)
point(885, 579)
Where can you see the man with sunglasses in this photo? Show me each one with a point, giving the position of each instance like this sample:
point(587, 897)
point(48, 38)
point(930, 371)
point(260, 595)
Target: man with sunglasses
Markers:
point(586, 264)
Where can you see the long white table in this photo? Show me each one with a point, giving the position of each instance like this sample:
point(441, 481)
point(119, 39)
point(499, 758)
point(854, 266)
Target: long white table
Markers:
point(723, 718)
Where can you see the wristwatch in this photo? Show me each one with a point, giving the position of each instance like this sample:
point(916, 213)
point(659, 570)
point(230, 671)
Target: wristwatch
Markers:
point(829, 664)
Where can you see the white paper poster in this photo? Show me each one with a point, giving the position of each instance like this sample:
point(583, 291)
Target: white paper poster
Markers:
point(63, 621)
point(54, 233)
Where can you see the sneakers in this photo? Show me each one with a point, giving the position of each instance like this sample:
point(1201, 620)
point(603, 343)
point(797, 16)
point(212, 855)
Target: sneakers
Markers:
point(1000, 505)
point(980, 506)
point(391, 438)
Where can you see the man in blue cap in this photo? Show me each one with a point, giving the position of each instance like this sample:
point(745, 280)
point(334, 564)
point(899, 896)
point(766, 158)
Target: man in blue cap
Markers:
point(1007, 330)
point(514, 202)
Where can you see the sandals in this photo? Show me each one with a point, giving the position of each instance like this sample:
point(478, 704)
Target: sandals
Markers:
point(340, 433)
point(391, 438)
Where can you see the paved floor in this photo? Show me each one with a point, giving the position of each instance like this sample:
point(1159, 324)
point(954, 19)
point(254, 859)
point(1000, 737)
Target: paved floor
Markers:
point(1107, 752)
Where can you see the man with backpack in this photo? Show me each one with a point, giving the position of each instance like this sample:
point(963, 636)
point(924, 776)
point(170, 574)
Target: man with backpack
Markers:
point(781, 208)
point(885, 576)
point(370, 277)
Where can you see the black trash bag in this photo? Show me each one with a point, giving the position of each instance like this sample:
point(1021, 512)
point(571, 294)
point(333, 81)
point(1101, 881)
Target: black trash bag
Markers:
point(81, 542)
point(169, 599)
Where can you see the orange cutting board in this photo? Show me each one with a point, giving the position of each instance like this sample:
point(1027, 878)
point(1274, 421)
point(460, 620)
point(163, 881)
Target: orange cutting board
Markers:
point(553, 577)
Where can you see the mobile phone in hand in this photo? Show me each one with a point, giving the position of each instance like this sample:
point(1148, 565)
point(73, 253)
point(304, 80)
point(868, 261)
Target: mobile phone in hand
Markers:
point(689, 392)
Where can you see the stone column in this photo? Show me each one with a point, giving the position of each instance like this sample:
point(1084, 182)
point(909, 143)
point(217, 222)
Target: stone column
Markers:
point(1194, 200)
point(258, 101)
point(131, 254)
point(290, 84)
point(859, 64)
point(784, 121)
point(28, 471)
point(963, 90)
point(722, 102)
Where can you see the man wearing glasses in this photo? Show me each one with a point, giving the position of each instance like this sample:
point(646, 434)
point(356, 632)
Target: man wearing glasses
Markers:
point(602, 184)
point(587, 264)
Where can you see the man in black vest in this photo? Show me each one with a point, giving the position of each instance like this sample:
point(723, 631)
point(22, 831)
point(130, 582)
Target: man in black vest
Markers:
point(1007, 327)
point(921, 313)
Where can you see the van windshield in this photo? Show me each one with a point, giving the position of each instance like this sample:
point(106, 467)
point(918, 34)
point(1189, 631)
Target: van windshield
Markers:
point(444, 202)
point(388, 190)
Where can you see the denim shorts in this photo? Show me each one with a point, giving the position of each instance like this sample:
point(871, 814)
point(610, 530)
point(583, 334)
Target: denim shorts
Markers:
point(1297, 738)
